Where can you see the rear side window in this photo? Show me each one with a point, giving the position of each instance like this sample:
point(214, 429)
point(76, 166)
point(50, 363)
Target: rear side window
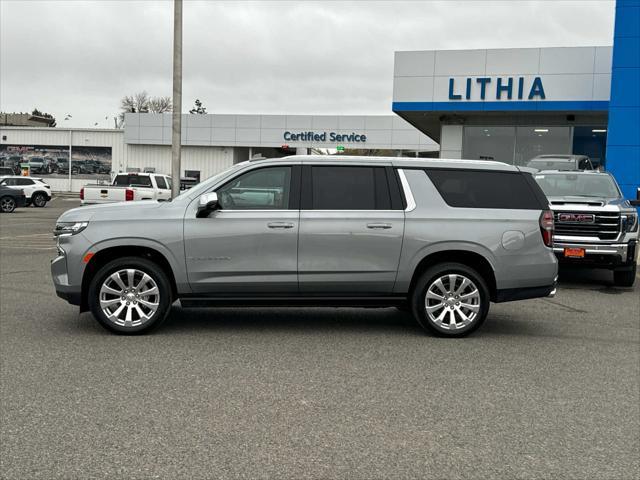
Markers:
point(349, 188)
point(161, 183)
point(485, 189)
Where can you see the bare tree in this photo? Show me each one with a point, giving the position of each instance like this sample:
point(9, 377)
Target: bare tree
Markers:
point(141, 102)
point(160, 105)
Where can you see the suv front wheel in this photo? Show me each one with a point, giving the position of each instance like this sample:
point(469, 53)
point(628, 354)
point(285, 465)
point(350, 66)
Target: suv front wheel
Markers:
point(450, 300)
point(626, 277)
point(130, 295)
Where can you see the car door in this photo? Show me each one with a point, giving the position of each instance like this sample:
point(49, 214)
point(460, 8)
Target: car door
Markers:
point(351, 229)
point(27, 185)
point(249, 244)
point(163, 191)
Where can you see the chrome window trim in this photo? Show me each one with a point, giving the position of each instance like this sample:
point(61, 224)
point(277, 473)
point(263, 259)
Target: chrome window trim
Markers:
point(408, 195)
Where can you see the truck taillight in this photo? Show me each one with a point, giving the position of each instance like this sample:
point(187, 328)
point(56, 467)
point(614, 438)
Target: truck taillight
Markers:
point(128, 195)
point(82, 194)
point(547, 227)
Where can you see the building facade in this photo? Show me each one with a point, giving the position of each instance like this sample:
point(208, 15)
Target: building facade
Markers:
point(507, 105)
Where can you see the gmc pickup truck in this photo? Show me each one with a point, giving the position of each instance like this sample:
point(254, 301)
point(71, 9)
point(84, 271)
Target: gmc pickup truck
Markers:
point(128, 187)
point(441, 238)
point(595, 226)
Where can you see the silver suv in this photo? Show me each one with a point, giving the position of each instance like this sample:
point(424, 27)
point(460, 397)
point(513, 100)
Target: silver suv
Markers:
point(441, 238)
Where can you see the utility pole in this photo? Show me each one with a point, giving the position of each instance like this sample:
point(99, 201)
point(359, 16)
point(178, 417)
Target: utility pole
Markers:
point(176, 137)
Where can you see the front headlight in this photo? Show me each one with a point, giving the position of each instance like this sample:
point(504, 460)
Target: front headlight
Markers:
point(69, 228)
point(629, 222)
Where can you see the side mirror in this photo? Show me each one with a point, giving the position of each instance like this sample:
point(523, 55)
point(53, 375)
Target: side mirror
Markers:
point(636, 202)
point(207, 203)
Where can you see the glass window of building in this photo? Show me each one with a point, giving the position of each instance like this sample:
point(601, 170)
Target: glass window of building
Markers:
point(534, 141)
point(489, 143)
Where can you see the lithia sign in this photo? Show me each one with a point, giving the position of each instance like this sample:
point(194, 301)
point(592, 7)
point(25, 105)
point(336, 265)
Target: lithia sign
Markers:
point(504, 88)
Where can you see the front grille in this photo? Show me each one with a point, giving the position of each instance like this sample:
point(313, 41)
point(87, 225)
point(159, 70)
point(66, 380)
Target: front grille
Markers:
point(606, 225)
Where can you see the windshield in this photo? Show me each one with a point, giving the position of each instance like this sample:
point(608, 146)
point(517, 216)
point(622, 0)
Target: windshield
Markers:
point(552, 164)
point(581, 185)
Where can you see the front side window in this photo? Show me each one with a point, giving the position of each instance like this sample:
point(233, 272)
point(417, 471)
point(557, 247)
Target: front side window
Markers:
point(349, 188)
point(262, 189)
point(9, 182)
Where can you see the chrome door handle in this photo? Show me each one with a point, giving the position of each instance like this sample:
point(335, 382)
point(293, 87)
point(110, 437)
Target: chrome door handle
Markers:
point(280, 225)
point(379, 225)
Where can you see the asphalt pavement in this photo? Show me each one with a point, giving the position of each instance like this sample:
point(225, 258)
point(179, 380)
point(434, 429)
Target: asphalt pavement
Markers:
point(547, 388)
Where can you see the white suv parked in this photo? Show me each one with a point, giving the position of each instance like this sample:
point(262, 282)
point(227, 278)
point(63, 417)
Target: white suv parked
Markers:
point(35, 190)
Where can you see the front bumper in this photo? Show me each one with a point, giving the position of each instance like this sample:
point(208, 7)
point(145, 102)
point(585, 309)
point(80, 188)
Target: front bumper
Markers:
point(598, 255)
point(59, 274)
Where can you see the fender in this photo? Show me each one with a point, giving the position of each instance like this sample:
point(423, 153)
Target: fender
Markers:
point(408, 266)
point(177, 264)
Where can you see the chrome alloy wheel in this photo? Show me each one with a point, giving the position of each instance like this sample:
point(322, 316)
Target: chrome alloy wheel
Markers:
point(129, 297)
point(452, 301)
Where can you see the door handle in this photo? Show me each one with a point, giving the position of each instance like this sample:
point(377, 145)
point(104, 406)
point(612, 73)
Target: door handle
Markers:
point(280, 225)
point(379, 225)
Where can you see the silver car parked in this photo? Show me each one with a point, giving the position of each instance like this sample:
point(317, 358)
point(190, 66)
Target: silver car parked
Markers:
point(441, 238)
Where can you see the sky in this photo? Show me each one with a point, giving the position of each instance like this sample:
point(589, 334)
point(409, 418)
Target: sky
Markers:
point(80, 58)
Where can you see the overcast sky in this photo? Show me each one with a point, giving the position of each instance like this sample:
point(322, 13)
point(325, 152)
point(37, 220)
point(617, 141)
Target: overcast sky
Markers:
point(80, 58)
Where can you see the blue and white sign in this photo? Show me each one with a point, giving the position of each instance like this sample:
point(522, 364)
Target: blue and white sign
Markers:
point(517, 79)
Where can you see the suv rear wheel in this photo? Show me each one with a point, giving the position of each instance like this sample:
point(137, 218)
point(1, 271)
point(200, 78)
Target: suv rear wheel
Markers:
point(450, 300)
point(130, 295)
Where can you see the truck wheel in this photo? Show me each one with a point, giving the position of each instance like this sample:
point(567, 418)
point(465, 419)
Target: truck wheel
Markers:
point(7, 204)
point(39, 199)
point(130, 295)
point(624, 278)
point(450, 300)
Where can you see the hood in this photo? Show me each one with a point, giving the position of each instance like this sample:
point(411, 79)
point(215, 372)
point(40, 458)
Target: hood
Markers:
point(117, 211)
point(588, 201)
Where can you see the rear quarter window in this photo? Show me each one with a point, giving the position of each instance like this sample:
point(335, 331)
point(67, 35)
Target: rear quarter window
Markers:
point(487, 189)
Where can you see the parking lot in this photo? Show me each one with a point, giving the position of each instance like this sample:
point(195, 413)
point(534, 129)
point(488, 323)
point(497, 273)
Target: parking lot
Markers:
point(548, 388)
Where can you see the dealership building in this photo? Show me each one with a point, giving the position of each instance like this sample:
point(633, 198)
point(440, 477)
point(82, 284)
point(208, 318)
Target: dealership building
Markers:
point(507, 105)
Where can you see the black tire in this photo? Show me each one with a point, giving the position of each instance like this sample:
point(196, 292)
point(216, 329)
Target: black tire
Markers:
point(624, 278)
point(7, 204)
point(428, 280)
point(39, 199)
point(142, 265)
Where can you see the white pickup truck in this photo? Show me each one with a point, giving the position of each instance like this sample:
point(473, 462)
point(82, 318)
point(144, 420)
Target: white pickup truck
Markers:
point(127, 187)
